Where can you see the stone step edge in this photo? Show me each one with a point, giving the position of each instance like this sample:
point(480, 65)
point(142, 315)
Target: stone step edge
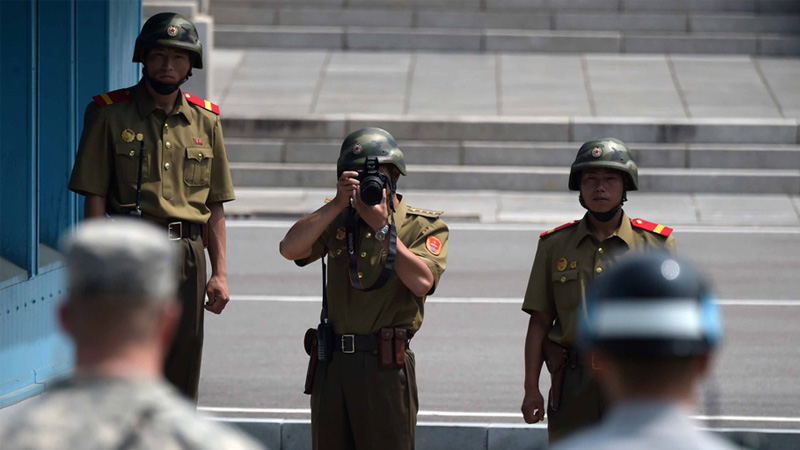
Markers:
point(533, 170)
point(482, 6)
point(521, 128)
point(530, 179)
point(523, 154)
point(444, 31)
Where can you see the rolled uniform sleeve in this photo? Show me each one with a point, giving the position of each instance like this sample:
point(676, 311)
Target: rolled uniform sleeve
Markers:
point(539, 294)
point(317, 250)
point(221, 189)
point(426, 250)
point(91, 174)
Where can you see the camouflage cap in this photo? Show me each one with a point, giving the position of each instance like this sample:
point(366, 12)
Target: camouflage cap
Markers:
point(126, 259)
point(169, 29)
point(369, 142)
point(606, 153)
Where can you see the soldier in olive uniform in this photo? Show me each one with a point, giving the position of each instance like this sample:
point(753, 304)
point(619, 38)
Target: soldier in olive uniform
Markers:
point(356, 404)
point(567, 259)
point(167, 144)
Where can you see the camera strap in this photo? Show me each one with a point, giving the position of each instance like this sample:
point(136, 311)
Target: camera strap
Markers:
point(137, 211)
point(324, 290)
point(353, 227)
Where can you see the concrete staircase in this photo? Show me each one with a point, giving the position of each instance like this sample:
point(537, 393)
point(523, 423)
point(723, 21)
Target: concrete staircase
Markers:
point(524, 166)
point(753, 27)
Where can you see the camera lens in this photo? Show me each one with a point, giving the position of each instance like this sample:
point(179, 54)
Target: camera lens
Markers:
point(371, 190)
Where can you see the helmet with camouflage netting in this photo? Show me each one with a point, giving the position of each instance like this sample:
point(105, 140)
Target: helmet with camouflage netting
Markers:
point(606, 153)
point(172, 30)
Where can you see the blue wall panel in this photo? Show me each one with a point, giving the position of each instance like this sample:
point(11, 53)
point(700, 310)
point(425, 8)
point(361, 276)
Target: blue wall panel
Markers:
point(18, 231)
point(54, 56)
point(56, 106)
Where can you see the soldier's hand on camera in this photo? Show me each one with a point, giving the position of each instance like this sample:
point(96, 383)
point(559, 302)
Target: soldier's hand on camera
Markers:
point(533, 406)
point(346, 188)
point(376, 216)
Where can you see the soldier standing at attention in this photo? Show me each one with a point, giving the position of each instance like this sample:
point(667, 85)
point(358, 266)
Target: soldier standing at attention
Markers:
point(567, 259)
point(154, 151)
point(385, 257)
point(121, 312)
point(653, 323)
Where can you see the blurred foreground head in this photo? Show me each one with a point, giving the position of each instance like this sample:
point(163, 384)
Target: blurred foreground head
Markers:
point(653, 318)
point(122, 280)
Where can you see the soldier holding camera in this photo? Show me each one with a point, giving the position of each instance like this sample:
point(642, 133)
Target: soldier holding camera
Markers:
point(385, 257)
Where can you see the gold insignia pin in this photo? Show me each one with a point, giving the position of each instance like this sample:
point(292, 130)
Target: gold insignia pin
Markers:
point(139, 137)
point(127, 135)
point(573, 264)
point(561, 265)
point(340, 233)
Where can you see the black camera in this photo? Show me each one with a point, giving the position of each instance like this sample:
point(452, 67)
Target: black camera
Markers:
point(373, 181)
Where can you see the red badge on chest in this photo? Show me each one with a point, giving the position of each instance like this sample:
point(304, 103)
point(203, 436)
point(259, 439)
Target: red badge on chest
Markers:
point(434, 245)
point(198, 141)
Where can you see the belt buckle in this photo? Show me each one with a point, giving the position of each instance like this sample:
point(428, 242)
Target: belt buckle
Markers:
point(345, 339)
point(171, 231)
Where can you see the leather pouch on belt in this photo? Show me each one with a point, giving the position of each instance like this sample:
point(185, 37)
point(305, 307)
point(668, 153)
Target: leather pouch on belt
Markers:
point(400, 343)
point(555, 357)
point(386, 352)
point(310, 345)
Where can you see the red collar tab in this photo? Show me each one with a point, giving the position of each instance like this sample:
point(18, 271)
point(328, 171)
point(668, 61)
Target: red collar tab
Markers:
point(650, 226)
point(559, 228)
point(205, 104)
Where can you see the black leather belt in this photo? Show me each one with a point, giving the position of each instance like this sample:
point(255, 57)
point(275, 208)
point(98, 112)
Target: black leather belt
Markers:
point(351, 343)
point(178, 229)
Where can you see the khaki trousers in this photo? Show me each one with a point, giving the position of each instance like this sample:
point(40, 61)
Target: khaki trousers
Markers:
point(583, 403)
point(182, 367)
point(357, 406)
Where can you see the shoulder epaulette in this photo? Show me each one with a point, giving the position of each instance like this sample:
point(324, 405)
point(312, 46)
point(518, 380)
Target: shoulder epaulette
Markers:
point(559, 228)
point(650, 226)
point(118, 96)
point(424, 212)
point(205, 104)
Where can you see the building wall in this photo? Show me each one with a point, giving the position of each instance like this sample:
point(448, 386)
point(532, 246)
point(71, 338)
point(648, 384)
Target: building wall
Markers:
point(54, 56)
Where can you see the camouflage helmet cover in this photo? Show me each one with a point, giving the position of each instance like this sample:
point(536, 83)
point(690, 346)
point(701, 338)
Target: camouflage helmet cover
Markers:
point(169, 29)
point(369, 142)
point(606, 153)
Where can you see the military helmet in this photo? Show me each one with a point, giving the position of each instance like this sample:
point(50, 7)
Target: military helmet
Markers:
point(651, 305)
point(606, 153)
point(369, 142)
point(169, 29)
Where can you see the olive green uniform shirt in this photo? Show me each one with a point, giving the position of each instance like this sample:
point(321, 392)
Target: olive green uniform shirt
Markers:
point(569, 259)
point(394, 305)
point(185, 165)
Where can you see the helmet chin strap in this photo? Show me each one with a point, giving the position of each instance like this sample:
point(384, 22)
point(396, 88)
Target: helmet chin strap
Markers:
point(163, 88)
point(604, 216)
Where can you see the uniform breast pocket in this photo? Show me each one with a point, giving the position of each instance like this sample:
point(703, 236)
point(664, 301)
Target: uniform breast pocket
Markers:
point(126, 162)
point(197, 166)
point(566, 289)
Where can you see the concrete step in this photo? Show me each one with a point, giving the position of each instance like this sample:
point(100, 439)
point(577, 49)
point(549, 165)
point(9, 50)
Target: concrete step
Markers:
point(684, 6)
point(516, 178)
point(499, 40)
point(518, 128)
point(523, 154)
point(529, 19)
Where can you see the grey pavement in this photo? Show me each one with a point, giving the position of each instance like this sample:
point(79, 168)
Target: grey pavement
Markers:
point(269, 83)
point(674, 210)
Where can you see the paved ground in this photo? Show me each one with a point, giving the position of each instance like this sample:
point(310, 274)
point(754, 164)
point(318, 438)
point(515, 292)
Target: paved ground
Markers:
point(469, 350)
point(255, 83)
